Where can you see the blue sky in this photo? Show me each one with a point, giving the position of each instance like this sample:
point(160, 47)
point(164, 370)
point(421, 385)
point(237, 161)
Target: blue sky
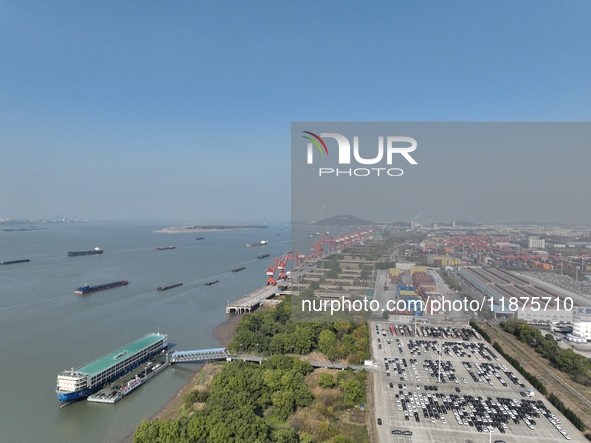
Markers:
point(182, 110)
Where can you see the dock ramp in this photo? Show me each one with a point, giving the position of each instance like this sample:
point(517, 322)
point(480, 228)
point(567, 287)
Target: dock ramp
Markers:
point(199, 355)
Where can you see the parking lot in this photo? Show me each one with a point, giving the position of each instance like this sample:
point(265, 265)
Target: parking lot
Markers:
point(492, 395)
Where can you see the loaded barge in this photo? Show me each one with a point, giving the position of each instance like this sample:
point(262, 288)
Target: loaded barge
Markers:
point(11, 262)
point(76, 384)
point(86, 288)
point(91, 252)
point(164, 288)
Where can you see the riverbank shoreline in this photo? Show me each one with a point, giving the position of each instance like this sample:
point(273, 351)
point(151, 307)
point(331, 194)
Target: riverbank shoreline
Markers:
point(223, 333)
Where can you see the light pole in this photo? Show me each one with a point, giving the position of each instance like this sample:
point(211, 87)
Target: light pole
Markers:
point(439, 372)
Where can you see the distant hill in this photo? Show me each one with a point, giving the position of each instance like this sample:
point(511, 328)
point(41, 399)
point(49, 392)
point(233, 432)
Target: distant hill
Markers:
point(342, 220)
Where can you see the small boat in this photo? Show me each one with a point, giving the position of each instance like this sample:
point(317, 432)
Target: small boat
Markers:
point(200, 238)
point(213, 282)
point(165, 248)
point(238, 269)
point(262, 255)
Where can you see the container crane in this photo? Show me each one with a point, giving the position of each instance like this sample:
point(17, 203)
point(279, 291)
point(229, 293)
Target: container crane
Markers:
point(282, 264)
point(271, 272)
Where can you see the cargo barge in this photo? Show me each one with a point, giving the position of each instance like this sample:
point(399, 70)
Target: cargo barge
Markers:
point(76, 384)
point(261, 243)
point(11, 262)
point(239, 269)
point(165, 248)
point(164, 288)
point(200, 238)
point(262, 255)
point(91, 252)
point(86, 288)
point(213, 282)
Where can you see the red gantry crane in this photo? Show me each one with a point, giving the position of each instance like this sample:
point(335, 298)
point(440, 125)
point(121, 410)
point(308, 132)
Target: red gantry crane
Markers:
point(282, 264)
point(271, 272)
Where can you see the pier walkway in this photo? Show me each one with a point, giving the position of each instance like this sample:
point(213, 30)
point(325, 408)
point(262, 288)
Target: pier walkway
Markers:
point(200, 355)
point(223, 354)
point(315, 364)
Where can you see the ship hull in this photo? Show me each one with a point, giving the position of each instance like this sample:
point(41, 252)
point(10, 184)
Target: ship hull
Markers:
point(88, 289)
point(12, 262)
point(66, 397)
point(75, 253)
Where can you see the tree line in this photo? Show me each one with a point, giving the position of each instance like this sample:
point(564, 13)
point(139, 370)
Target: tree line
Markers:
point(271, 332)
point(248, 402)
point(528, 334)
point(565, 360)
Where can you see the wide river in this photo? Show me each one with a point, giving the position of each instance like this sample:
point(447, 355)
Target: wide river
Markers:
point(46, 329)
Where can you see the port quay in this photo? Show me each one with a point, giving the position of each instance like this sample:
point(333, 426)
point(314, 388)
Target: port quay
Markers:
point(250, 301)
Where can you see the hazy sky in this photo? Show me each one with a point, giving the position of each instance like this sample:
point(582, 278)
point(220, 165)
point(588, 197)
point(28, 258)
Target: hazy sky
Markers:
point(182, 110)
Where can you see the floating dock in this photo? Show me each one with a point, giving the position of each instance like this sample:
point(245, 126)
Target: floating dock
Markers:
point(124, 385)
point(249, 302)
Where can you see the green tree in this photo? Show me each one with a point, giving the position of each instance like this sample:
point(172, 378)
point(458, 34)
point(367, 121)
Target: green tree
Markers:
point(284, 435)
point(283, 403)
point(326, 380)
point(327, 341)
point(353, 392)
point(341, 328)
point(307, 293)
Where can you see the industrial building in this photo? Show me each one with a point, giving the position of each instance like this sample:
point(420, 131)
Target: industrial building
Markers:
point(582, 323)
point(441, 260)
point(510, 292)
point(404, 266)
point(536, 242)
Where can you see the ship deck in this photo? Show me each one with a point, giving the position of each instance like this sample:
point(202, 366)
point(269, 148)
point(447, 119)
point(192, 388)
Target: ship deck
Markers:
point(110, 359)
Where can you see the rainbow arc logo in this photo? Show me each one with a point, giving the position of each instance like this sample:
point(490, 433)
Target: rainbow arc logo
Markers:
point(315, 140)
